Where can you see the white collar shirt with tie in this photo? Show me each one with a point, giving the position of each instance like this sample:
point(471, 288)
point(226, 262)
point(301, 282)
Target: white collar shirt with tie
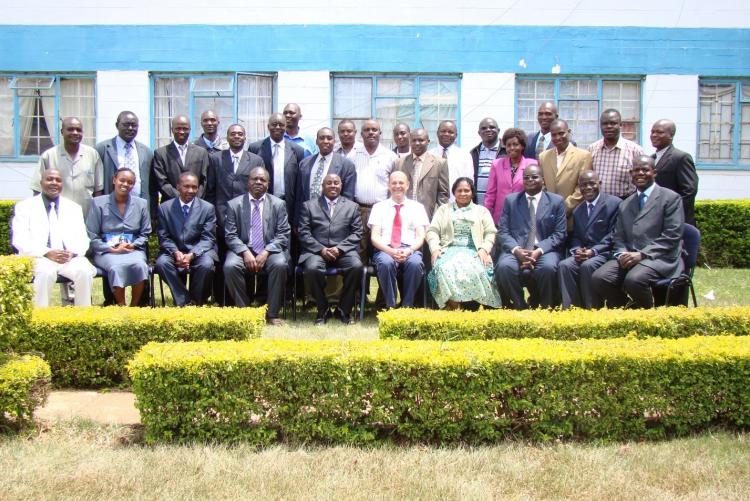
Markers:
point(127, 157)
point(316, 178)
point(182, 150)
point(236, 159)
point(278, 156)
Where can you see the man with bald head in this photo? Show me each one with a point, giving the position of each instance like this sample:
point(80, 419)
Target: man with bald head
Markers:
point(483, 154)
point(292, 115)
point(123, 151)
point(210, 139)
point(175, 158)
point(79, 165)
point(459, 160)
point(428, 173)
point(675, 168)
point(541, 140)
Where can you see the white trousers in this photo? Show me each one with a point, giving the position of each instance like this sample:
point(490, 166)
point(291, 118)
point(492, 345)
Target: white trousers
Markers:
point(79, 270)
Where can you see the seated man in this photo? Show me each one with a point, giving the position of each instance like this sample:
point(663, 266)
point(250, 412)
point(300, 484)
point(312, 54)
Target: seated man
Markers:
point(647, 241)
point(50, 228)
point(590, 243)
point(330, 229)
point(187, 243)
point(257, 231)
point(397, 227)
point(531, 240)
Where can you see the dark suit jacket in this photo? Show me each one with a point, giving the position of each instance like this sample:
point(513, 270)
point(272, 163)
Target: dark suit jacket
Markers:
point(339, 165)
point(197, 234)
point(275, 225)
point(167, 167)
point(655, 230)
point(223, 183)
point(108, 152)
point(676, 171)
point(432, 185)
point(515, 222)
point(595, 232)
point(293, 155)
point(531, 139)
point(318, 230)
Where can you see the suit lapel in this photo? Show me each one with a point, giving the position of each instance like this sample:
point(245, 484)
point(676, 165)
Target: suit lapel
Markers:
point(542, 209)
point(177, 215)
point(651, 202)
point(323, 203)
point(112, 153)
point(172, 151)
point(245, 224)
point(665, 158)
point(595, 213)
point(427, 163)
point(569, 157)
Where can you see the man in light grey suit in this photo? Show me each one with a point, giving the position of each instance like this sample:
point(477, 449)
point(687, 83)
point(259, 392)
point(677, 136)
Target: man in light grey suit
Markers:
point(647, 241)
point(187, 243)
point(428, 174)
point(257, 231)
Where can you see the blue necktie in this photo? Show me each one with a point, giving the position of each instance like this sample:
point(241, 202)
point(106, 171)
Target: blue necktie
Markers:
point(641, 200)
point(185, 211)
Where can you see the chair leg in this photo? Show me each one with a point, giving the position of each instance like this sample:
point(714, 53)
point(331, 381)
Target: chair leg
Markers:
point(362, 294)
point(692, 293)
point(294, 296)
point(666, 299)
point(161, 291)
point(151, 291)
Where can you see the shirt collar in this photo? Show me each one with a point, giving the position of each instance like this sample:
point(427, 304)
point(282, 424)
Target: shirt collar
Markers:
point(567, 149)
point(48, 200)
point(261, 199)
point(189, 204)
point(121, 143)
point(180, 146)
point(537, 197)
point(596, 200)
point(648, 190)
point(482, 147)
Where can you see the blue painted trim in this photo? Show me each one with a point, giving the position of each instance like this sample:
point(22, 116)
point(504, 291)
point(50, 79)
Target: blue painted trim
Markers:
point(369, 48)
point(728, 167)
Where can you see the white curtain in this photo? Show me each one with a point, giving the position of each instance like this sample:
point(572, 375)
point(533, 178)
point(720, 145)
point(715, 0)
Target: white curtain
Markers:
point(77, 100)
point(6, 118)
point(254, 104)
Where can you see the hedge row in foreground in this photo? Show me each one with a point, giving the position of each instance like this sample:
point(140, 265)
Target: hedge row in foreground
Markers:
point(89, 347)
point(15, 297)
point(24, 384)
point(674, 322)
point(263, 391)
point(725, 232)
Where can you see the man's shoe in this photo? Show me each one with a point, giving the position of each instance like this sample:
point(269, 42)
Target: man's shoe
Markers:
point(345, 319)
point(276, 322)
point(320, 321)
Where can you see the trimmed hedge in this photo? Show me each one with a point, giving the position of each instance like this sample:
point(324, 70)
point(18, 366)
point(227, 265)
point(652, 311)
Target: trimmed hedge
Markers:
point(24, 384)
point(6, 213)
point(89, 347)
point(673, 322)
point(725, 232)
point(16, 294)
point(264, 391)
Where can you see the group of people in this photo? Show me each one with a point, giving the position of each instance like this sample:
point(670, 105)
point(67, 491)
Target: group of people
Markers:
point(583, 227)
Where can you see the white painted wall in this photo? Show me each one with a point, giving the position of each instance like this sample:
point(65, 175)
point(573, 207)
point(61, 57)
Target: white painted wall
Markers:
point(674, 97)
point(311, 90)
point(486, 95)
point(118, 91)
point(723, 185)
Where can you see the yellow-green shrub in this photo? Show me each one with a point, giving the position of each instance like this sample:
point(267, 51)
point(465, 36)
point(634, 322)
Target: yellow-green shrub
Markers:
point(674, 322)
point(24, 384)
point(89, 347)
point(6, 213)
point(725, 232)
point(15, 297)
point(264, 391)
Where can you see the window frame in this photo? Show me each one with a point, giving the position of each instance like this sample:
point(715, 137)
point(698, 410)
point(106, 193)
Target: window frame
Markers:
point(54, 135)
point(735, 164)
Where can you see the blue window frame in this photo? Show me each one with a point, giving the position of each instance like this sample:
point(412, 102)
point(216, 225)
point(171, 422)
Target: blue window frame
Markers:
point(724, 124)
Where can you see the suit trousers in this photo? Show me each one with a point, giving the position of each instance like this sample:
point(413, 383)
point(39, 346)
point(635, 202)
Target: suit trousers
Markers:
point(575, 282)
point(313, 272)
point(236, 275)
point(78, 270)
point(541, 281)
point(201, 277)
point(411, 270)
point(615, 284)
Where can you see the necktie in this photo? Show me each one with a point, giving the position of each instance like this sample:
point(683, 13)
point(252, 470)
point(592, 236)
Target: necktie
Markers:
point(331, 207)
point(235, 162)
point(417, 172)
point(55, 238)
point(532, 229)
point(540, 144)
point(315, 189)
point(129, 157)
point(589, 209)
point(445, 152)
point(641, 200)
point(183, 152)
point(396, 230)
point(185, 211)
point(256, 228)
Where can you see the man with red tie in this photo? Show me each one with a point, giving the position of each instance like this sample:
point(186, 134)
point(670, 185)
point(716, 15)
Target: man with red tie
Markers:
point(397, 227)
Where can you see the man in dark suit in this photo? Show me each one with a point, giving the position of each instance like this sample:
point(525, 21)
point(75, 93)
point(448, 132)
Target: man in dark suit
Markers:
point(483, 154)
point(531, 239)
point(675, 168)
point(187, 243)
point(257, 235)
point(313, 170)
point(541, 140)
point(330, 229)
point(175, 158)
point(210, 139)
point(590, 243)
point(428, 174)
point(281, 158)
point(647, 241)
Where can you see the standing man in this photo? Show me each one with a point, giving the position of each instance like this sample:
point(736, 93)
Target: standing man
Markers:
point(541, 140)
point(123, 151)
point(79, 166)
point(401, 138)
point(429, 174)
point(590, 243)
point(50, 228)
point(397, 227)
point(210, 139)
point(460, 163)
point(563, 165)
point(484, 154)
point(330, 229)
point(531, 239)
point(613, 156)
point(187, 243)
point(675, 168)
point(179, 156)
point(257, 234)
point(347, 138)
point(647, 241)
point(292, 115)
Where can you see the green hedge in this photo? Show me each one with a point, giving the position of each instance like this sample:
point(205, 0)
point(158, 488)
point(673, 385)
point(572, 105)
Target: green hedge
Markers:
point(725, 232)
point(674, 322)
point(264, 391)
point(6, 212)
point(24, 384)
point(16, 294)
point(89, 347)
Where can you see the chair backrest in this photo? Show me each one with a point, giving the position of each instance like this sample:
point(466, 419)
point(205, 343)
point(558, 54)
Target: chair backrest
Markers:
point(691, 237)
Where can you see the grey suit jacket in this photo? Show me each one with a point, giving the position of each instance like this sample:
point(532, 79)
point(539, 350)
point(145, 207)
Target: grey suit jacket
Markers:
point(224, 183)
point(108, 152)
point(167, 167)
point(197, 234)
point(275, 225)
point(339, 165)
point(515, 223)
point(655, 230)
point(432, 185)
point(317, 229)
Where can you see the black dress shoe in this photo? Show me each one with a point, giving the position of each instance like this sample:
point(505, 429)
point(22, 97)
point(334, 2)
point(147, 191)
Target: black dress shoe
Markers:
point(320, 321)
point(345, 319)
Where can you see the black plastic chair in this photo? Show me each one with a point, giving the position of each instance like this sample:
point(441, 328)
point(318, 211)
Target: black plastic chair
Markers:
point(691, 240)
point(330, 272)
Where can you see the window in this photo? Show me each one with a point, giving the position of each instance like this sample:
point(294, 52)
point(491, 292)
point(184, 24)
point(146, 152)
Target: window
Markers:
point(243, 98)
point(580, 102)
point(419, 101)
point(32, 106)
point(724, 122)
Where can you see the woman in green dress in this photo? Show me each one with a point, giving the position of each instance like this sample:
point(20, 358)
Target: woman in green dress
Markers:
point(461, 237)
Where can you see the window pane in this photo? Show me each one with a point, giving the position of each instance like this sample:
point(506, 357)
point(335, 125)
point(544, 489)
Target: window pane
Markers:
point(216, 86)
point(170, 99)
point(77, 100)
point(222, 106)
point(395, 87)
point(389, 112)
point(438, 101)
point(6, 118)
point(37, 116)
point(745, 133)
point(717, 121)
point(352, 98)
point(578, 89)
point(583, 120)
point(254, 104)
point(531, 95)
point(625, 98)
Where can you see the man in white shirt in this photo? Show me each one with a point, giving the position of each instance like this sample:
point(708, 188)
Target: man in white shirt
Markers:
point(347, 138)
point(460, 163)
point(402, 140)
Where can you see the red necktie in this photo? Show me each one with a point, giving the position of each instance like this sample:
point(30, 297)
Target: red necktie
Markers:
point(396, 232)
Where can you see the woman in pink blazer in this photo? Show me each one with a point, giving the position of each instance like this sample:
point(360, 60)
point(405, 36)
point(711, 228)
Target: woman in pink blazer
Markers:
point(506, 174)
